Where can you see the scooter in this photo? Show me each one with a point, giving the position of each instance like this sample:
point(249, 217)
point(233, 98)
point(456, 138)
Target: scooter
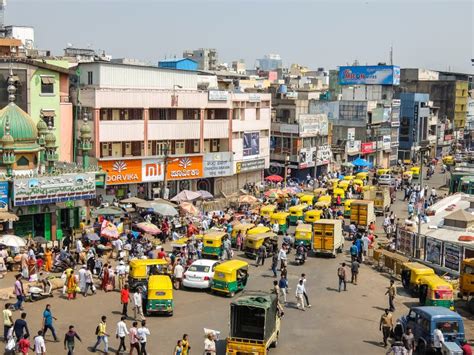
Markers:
point(36, 293)
point(300, 258)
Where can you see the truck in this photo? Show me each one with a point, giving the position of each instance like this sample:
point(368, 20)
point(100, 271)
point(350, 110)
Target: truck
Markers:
point(327, 237)
point(254, 324)
point(381, 198)
point(466, 282)
point(362, 213)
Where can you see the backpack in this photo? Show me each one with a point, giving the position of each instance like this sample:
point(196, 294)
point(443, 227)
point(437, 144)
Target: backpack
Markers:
point(341, 272)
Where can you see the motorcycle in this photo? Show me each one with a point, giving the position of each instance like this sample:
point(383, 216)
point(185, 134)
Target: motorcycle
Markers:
point(300, 258)
point(36, 293)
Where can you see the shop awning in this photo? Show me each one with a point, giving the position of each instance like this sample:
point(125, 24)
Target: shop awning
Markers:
point(47, 80)
point(8, 217)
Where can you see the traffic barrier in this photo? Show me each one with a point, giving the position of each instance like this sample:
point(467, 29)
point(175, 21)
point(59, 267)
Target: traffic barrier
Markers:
point(389, 260)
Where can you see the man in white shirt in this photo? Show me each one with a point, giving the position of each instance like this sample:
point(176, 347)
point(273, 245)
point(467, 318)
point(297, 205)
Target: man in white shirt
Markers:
point(121, 271)
point(178, 276)
point(137, 304)
point(40, 346)
point(282, 258)
point(142, 333)
point(438, 339)
point(79, 249)
point(82, 278)
point(299, 295)
point(121, 333)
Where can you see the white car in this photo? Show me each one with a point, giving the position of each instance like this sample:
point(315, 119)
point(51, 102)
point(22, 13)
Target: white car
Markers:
point(200, 274)
point(385, 179)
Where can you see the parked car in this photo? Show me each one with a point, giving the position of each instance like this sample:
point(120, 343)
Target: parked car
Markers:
point(385, 179)
point(424, 320)
point(200, 274)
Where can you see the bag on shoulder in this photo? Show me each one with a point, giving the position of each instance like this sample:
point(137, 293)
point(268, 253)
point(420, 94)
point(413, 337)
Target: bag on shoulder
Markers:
point(341, 272)
point(97, 330)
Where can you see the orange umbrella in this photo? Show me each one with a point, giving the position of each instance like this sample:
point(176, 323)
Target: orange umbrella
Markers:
point(247, 199)
point(189, 208)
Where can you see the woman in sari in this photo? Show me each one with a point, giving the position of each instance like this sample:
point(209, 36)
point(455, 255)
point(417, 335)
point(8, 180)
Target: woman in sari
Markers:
point(48, 260)
point(105, 277)
point(71, 284)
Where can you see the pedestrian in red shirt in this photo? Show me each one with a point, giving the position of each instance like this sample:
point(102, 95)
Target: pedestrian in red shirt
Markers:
point(162, 254)
point(124, 299)
point(466, 348)
point(24, 345)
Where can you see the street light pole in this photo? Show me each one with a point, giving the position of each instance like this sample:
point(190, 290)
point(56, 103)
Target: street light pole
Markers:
point(287, 160)
point(424, 147)
point(315, 174)
point(165, 171)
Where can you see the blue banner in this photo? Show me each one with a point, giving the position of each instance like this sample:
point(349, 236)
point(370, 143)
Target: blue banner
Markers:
point(369, 75)
point(3, 195)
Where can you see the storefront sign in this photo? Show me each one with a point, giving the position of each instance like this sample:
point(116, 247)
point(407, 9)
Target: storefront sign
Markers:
point(367, 148)
point(184, 168)
point(51, 189)
point(433, 251)
point(251, 144)
point(218, 95)
point(122, 171)
point(3, 195)
point(249, 165)
point(218, 164)
point(289, 128)
point(452, 256)
point(310, 125)
point(353, 147)
point(307, 156)
point(153, 170)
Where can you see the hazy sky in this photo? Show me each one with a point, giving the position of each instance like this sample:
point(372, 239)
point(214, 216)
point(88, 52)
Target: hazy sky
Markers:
point(429, 34)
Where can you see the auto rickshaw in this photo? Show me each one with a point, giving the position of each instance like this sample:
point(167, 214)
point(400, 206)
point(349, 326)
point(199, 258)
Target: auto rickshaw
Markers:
point(303, 234)
point(359, 182)
point(212, 244)
point(243, 228)
point(435, 291)
point(347, 207)
point(266, 211)
point(255, 241)
point(282, 219)
point(160, 295)
point(230, 276)
point(363, 175)
point(312, 216)
point(416, 171)
point(349, 177)
point(320, 191)
point(307, 198)
point(412, 272)
point(141, 269)
point(258, 230)
point(320, 205)
point(333, 183)
point(448, 160)
point(338, 192)
point(383, 172)
point(179, 244)
point(297, 213)
point(344, 184)
point(325, 198)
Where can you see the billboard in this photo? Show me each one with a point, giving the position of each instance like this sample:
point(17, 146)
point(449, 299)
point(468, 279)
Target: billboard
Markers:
point(313, 124)
point(133, 171)
point(251, 144)
point(217, 164)
point(3, 195)
point(369, 75)
point(184, 168)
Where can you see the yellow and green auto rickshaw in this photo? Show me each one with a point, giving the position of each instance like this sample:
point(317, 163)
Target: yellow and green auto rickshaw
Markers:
point(344, 184)
point(297, 213)
point(243, 228)
point(358, 182)
point(347, 208)
point(141, 269)
point(212, 244)
point(333, 183)
point(320, 191)
point(415, 171)
point(267, 210)
point(411, 274)
point(321, 205)
point(230, 277)
point(383, 171)
point(307, 198)
point(160, 295)
point(282, 219)
point(312, 216)
point(303, 234)
point(349, 177)
point(258, 230)
point(448, 160)
point(255, 241)
point(435, 291)
point(325, 198)
point(363, 175)
point(338, 192)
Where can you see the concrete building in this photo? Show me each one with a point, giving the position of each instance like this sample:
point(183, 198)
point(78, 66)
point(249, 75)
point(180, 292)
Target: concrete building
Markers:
point(239, 67)
point(26, 34)
point(206, 58)
point(154, 126)
point(269, 62)
point(418, 122)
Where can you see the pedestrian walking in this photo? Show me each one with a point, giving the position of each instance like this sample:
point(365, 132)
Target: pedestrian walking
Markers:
point(386, 325)
point(138, 304)
point(24, 345)
point(178, 349)
point(20, 326)
point(283, 287)
point(299, 295)
point(282, 257)
point(354, 251)
point(397, 348)
point(354, 271)
point(134, 343)
point(186, 346)
point(142, 334)
point(438, 339)
point(7, 321)
point(82, 278)
point(365, 246)
point(210, 345)
point(341, 274)
point(124, 299)
point(391, 292)
point(40, 346)
point(19, 293)
point(69, 340)
point(89, 283)
point(274, 264)
point(305, 294)
point(121, 272)
point(261, 254)
point(48, 322)
point(120, 333)
point(178, 276)
point(102, 336)
point(408, 340)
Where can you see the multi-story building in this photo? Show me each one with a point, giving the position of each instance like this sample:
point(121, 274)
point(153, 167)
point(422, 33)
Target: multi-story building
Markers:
point(42, 92)
point(299, 138)
point(270, 62)
point(153, 126)
point(206, 58)
point(418, 122)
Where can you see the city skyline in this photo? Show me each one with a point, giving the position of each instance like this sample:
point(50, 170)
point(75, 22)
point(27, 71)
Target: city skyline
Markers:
point(343, 31)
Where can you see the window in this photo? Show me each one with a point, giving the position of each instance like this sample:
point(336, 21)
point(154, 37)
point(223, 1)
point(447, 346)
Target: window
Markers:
point(127, 148)
point(47, 84)
point(106, 149)
point(23, 161)
point(90, 78)
point(215, 145)
point(48, 117)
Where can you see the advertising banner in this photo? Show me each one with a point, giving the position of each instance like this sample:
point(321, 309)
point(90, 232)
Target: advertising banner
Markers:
point(367, 148)
point(306, 156)
point(405, 242)
point(122, 171)
point(249, 165)
point(218, 95)
point(310, 125)
point(369, 75)
point(51, 189)
point(251, 144)
point(433, 251)
point(218, 164)
point(452, 256)
point(184, 168)
point(3, 195)
point(153, 170)
point(353, 147)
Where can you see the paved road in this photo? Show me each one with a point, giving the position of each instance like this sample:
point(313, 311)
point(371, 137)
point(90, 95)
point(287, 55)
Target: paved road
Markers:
point(338, 323)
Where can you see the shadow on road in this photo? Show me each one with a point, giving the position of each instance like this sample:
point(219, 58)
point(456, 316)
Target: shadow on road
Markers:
point(332, 289)
point(379, 308)
point(375, 343)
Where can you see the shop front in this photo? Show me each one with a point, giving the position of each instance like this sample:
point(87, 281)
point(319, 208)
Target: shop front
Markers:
point(184, 173)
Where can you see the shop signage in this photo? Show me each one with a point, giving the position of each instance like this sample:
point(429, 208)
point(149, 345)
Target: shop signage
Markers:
point(184, 168)
point(369, 75)
point(122, 171)
point(51, 189)
point(353, 147)
point(310, 125)
point(3, 195)
point(433, 251)
point(289, 128)
point(217, 164)
point(367, 148)
point(452, 256)
point(249, 165)
point(306, 156)
point(153, 170)
point(218, 95)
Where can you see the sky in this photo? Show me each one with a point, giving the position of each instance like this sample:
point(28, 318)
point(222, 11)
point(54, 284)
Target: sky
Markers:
point(429, 34)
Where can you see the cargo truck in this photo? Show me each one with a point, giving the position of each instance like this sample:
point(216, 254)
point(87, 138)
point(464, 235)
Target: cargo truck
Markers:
point(254, 324)
point(362, 213)
point(327, 237)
